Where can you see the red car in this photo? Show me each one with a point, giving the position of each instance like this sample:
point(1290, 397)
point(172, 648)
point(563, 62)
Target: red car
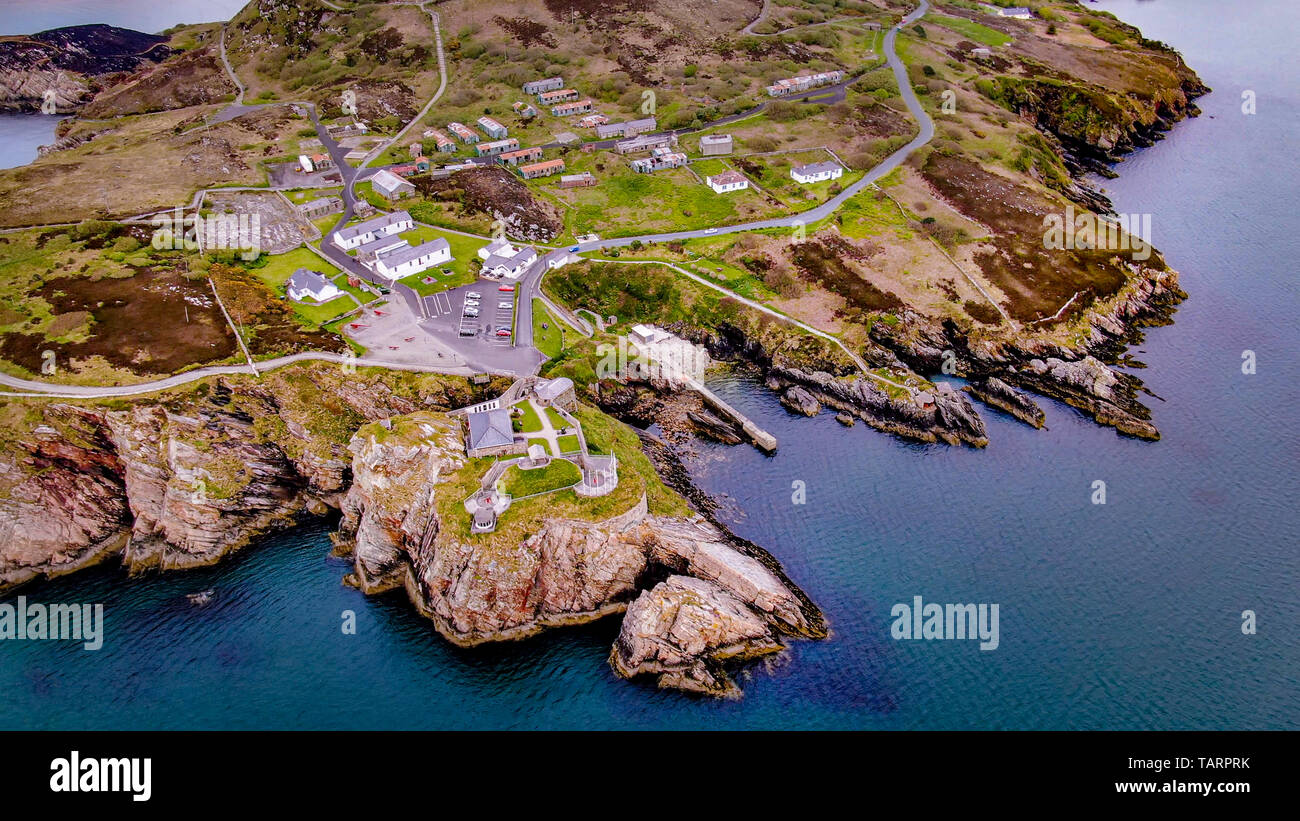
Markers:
point(506, 288)
point(503, 332)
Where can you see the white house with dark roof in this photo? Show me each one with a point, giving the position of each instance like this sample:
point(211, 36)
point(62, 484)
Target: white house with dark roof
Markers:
point(310, 285)
point(415, 259)
point(370, 230)
point(505, 260)
point(816, 172)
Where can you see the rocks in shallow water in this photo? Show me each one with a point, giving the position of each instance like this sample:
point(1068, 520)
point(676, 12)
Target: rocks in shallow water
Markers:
point(845, 419)
point(800, 400)
point(683, 629)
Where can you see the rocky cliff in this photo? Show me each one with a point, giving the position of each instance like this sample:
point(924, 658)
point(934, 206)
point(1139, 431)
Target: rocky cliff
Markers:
point(486, 588)
point(74, 63)
point(183, 480)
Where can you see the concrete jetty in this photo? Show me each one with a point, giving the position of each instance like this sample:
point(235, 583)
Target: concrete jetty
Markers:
point(765, 441)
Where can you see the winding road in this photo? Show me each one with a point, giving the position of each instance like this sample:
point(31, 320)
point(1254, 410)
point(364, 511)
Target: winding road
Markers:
point(529, 284)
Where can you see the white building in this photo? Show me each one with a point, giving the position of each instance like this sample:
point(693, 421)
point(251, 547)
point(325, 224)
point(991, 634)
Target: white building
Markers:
point(816, 172)
point(390, 186)
point(370, 230)
point(403, 262)
point(727, 181)
point(671, 357)
point(304, 162)
point(501, 259)
point(310, 285)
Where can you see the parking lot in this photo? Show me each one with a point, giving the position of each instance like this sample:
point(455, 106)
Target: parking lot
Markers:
point(481, 311)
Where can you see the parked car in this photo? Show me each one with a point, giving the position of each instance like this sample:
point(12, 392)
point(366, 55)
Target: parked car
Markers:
point(506, 288)
point(473, 295)
point(471, 303)
point(506, 306)
point(503, 332)
point(471, 311)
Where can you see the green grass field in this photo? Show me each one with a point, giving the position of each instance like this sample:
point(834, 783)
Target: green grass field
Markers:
point(464, 250)
point(973, 30)
point(568, 444)
point(548, 339)
point(558, 422)
point(279, 267)
point(558, 474)
point(529, 422)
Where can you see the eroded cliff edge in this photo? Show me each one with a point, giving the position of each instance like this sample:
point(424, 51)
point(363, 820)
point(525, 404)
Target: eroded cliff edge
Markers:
point(185, 480)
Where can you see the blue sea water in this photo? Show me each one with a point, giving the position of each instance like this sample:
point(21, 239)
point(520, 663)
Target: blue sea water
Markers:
point(1118, 616)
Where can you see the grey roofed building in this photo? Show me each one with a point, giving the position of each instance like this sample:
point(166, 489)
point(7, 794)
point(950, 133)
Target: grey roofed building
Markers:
point(490, 429)
point(382, 221)
point(377, 246)
point(554, 388)
point(400, 255)
point(306, 280)
point(817, 168)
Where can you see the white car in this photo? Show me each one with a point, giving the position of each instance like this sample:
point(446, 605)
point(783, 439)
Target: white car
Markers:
point(471, 311)
point(711, 230)
point(473, 295)
point(507, 306)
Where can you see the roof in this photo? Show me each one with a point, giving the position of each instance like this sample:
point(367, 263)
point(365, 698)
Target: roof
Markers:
point(380, 243)
point(523, 256)
point(388, 181)
point(538, 166)
point(715, 138)
point(306, 280)
point(381, 221)
point(728, 178)
point(490, 429)
point(816, 168)
point(554, 387)
point(402, 255)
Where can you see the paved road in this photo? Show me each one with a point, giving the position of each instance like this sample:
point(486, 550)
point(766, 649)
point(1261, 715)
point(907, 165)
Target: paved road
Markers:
point(31, 388)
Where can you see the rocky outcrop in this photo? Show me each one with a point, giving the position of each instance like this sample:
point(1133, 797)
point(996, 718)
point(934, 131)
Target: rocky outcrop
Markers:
point(993, 391)
point(177, 482)
point(1067, 362)
point(800, 400)
point(71, 64)
point(494, 587)
point(682, 631)
point(949, 417)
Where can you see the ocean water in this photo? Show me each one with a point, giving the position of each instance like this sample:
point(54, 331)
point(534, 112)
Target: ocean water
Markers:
point(1118, 616)
point(22, 134)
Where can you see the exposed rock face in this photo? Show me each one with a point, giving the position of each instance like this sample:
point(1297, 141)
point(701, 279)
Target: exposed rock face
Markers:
point(174, 483)
point(74, 63)
point(799, 400)
point(950, 419)
point(64, 504)
point(682, 630)
point(491, 588)
point(999, 394)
